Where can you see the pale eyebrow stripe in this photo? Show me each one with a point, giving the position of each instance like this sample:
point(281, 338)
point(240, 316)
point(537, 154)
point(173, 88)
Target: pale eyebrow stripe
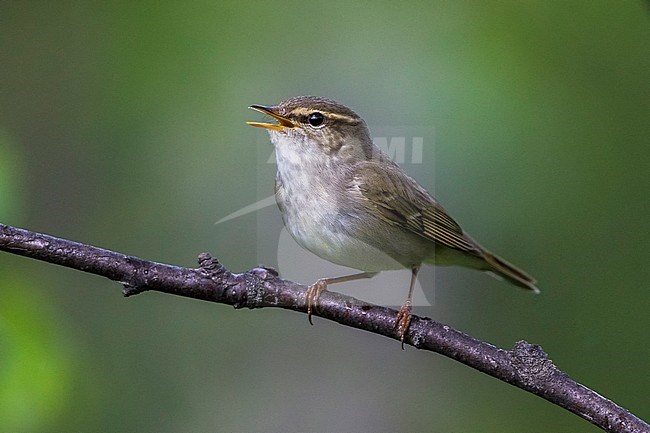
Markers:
point(301, 111)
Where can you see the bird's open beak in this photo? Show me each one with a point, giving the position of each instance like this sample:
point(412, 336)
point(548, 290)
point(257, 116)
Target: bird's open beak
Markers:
point(283, 122)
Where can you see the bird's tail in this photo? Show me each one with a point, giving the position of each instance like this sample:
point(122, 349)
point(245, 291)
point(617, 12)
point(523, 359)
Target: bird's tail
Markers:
point(509, 271)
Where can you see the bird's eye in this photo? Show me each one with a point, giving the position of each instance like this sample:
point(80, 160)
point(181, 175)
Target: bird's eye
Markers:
point(316, 119)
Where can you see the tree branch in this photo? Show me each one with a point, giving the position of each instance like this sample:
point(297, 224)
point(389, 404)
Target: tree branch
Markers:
point(526, 366)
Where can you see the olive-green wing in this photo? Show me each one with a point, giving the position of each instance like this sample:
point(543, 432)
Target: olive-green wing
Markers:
point(397, 199)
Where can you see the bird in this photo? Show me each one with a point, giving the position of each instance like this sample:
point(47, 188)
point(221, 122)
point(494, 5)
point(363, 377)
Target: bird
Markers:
point(342, 198)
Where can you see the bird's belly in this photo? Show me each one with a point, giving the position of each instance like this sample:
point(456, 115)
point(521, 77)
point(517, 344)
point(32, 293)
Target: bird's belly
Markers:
point(347, 251)
point(319, 228)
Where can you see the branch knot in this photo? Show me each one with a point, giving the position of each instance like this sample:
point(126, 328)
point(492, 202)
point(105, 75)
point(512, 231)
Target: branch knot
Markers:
point(532, 365)
point(211, 267)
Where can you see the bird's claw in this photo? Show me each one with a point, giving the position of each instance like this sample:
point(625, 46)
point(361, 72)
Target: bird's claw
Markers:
point(313, 293)
point(403, 321)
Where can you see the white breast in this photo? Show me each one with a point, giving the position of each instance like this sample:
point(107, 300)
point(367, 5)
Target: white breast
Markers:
point(307, 196)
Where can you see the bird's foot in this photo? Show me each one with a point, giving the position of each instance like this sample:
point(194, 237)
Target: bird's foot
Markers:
point(403, 321)
point(313, 293)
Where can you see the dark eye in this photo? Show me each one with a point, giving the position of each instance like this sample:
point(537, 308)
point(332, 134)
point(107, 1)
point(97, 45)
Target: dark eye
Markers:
point(316, 119)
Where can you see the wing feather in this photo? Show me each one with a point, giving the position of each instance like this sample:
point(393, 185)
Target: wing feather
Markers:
point(396, 198)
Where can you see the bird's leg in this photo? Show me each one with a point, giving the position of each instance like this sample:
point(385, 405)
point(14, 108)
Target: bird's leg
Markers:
point(314, 291)
point(403, 319)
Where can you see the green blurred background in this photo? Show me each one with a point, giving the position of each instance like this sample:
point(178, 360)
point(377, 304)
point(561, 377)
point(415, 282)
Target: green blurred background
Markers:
point(122, 125)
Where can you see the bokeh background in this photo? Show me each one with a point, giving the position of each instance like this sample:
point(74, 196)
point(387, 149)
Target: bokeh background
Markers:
point(122, 125)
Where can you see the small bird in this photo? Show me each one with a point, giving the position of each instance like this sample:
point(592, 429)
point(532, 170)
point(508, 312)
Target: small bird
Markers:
point(345, 200)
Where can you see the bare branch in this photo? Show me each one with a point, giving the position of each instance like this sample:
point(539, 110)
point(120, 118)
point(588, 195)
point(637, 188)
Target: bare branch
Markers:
point(526, 366)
